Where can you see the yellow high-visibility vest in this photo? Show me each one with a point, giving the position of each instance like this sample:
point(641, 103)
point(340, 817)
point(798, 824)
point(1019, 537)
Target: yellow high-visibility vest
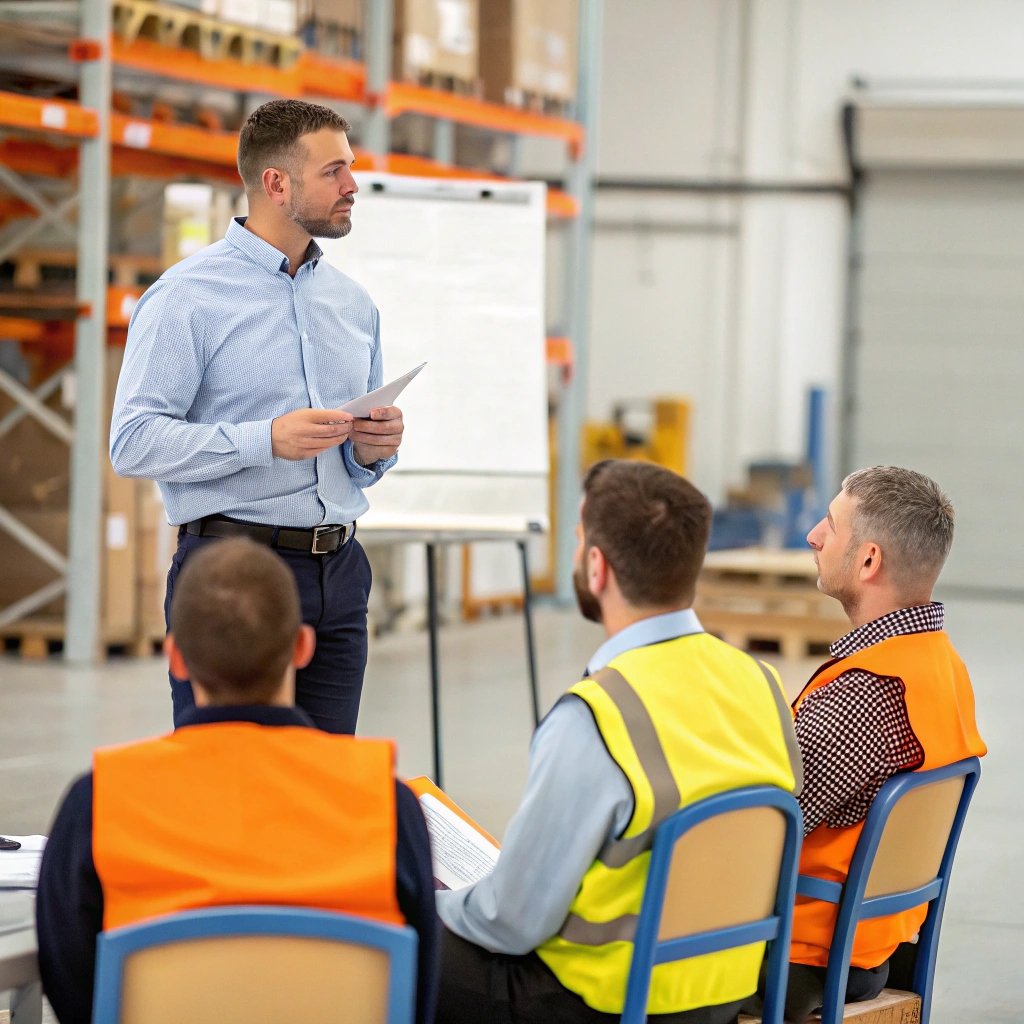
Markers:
point(684, 719)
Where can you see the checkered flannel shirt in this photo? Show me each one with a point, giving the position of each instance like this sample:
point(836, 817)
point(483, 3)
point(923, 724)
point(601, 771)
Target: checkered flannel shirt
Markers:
point(854, 732)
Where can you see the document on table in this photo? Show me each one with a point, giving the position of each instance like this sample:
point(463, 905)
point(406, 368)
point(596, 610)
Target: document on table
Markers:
point(362, 406)
point(19, 869)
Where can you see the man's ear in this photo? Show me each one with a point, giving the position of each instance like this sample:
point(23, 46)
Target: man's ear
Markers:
point(305, 645)
point(597, 570)
point(870, 563)
point(175, 662)
point(276, 186)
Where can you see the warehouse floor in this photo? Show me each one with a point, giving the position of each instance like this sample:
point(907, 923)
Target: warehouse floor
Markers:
point(53, 717)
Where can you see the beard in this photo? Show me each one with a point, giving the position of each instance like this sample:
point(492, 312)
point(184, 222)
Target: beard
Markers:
point(840, 584)
point(590, 607)
point(318, 227)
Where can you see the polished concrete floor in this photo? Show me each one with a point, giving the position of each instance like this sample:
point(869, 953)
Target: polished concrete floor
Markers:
point(53, 716)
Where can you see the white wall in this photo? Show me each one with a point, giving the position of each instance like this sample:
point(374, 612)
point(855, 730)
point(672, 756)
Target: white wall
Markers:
point(737, 301)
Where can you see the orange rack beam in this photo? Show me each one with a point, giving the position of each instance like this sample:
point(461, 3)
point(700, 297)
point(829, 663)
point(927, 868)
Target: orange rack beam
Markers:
point(559, 351)
point(60, 117)
point(312, 75)
point(405, 98)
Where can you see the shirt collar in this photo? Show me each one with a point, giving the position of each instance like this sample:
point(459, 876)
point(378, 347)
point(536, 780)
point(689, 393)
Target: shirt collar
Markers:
point(261, 251)
point(258, 714)
point(919, 618)
point(654, 630)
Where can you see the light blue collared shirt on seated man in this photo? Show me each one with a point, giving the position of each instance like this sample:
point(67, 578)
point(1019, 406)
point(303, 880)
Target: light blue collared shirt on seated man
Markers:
point(576, 797)
point(221, 345)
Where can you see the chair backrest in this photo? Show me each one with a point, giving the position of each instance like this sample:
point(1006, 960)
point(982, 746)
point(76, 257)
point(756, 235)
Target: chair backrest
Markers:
point(256, 963)
point(722, 875)
point(903, 858)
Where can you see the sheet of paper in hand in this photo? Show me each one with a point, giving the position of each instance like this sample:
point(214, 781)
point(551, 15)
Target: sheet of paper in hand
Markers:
point(362, 406)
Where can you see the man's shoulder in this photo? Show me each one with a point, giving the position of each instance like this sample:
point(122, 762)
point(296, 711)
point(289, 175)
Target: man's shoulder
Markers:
point(218, 255)
point(329, 276)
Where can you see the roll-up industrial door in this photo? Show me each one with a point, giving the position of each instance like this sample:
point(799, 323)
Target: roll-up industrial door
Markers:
point(935, 375)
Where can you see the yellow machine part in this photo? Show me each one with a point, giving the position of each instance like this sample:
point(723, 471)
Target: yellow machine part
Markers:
point(666, 446)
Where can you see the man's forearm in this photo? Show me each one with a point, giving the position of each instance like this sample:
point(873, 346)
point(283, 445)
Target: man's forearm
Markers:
point(161, 448)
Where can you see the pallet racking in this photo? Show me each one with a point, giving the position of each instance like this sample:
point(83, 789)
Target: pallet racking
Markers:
point(44, 137)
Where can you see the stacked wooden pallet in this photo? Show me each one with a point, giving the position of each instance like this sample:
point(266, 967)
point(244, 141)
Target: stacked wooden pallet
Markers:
point(759, 596)
point(890, 1007)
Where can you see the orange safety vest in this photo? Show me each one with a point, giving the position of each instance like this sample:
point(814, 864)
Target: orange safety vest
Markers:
point(940, 705)
point(235, 812)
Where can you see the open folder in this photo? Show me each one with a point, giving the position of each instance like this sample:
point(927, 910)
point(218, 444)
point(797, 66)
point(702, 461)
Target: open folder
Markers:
point(462, 851)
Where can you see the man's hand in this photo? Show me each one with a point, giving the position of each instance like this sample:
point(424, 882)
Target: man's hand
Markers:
point(379, 436)
point(305, 433)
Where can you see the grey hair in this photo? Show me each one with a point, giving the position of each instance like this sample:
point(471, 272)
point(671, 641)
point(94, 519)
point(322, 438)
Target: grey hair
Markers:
point(909, 515)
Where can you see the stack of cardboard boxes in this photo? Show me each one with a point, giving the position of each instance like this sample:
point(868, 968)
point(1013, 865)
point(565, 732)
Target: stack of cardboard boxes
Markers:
point(521, 52)
point(35, 489)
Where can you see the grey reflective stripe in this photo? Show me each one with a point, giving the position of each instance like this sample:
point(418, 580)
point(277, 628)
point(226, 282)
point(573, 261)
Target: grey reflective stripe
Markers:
point(796, 761)
point(598, 933)
point(644, 738)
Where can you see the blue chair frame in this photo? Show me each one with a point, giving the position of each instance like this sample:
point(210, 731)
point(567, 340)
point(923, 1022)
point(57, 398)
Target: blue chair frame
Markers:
point(116, 946)
point(853, 907)
point(775, 929)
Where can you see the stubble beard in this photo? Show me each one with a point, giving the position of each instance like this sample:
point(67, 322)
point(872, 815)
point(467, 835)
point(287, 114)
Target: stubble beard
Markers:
point(840, 586)
point(318, 227)
point(590, 607)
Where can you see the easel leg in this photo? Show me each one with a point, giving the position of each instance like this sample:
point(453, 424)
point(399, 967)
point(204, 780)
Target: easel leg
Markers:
point(531, 657)
point(435, 682)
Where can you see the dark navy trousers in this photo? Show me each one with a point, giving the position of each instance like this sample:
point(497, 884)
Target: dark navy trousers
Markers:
point(334, 590)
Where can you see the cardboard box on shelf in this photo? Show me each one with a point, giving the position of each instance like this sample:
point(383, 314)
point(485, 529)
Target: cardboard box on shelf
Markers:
point(437, 38)
point(528, 50)
point(332, 27)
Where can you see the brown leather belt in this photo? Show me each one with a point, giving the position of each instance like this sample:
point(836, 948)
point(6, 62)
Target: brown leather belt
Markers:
point(320, 540)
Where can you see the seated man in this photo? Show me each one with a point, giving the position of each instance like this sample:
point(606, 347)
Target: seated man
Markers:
point(894, 697)
point(666, 712)
point(217, 812)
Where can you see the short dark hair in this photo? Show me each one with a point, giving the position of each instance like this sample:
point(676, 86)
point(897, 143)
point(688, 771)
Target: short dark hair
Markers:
point(652, 526)
point(270, 137)
point(235, 615)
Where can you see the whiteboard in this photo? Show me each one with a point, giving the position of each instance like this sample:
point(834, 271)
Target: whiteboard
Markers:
point(456, 269)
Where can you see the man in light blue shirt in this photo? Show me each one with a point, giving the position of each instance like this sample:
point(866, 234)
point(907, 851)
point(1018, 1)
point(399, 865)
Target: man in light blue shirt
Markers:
point(237, 361)
point(642, 537)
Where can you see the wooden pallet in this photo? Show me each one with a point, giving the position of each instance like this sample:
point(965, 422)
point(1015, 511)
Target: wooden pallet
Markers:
point(34, 639)
point(211, 38)
point(128, 270)
point(761, 598)
point(890, 1007)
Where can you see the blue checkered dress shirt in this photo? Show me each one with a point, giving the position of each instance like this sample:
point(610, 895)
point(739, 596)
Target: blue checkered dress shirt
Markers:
point(223, 343)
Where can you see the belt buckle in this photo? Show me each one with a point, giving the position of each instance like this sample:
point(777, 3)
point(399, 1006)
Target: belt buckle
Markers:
point(323, 531)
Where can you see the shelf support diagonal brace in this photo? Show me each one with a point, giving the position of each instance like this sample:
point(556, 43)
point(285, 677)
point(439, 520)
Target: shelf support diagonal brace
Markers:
point(49, 215)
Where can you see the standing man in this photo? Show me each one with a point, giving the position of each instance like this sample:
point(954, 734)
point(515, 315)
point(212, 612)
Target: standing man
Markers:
point(666, 716)
point(894, 697)
point(236, 363)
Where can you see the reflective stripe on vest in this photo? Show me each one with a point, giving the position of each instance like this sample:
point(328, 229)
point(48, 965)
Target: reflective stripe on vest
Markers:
point(940, 706)
point(235, 812)
point(683, 719)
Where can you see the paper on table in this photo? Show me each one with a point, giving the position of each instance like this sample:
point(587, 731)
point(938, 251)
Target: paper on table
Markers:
point(461, 855)
point(362, 406)
point(19, 869)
